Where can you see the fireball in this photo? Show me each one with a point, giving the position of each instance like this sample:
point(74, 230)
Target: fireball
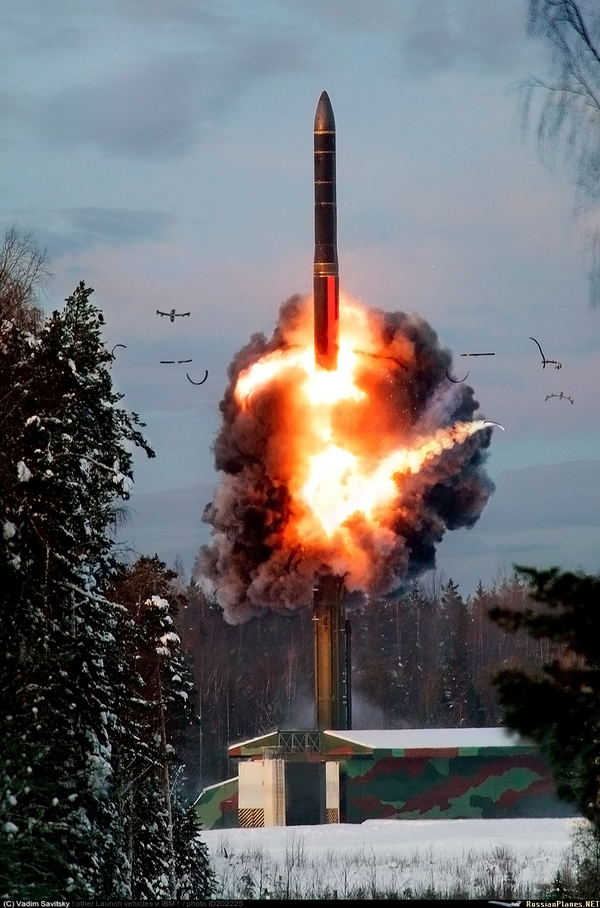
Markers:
point(358, 472)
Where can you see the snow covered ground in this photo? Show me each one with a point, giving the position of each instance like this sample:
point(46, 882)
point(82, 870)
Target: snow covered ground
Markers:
point(412, 858)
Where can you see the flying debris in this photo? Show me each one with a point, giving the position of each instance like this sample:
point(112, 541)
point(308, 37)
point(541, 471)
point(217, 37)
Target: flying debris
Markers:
point(556, 363)
point(477, 354)
point(112, 352)
point(326, 289)
point(198, 382)
point(176, 361)
point(456, 381)
point(488, 422)
point(172, 314)
point(561, 396)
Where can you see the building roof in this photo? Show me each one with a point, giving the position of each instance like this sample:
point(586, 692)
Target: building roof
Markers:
point(419, 738)
point(416, 742)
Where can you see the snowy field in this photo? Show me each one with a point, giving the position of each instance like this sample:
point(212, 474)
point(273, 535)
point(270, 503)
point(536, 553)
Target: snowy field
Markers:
point(379, 858)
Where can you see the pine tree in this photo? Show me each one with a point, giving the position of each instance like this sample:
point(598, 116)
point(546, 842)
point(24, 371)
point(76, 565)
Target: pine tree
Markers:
point(194, 875)
point(375, 658)
point(421, 669)
point(558, 705)
point(64, 466)
point(461, 706)
point(159, 835)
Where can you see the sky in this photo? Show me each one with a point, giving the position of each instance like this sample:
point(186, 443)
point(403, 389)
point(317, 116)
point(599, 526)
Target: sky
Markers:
point(394, 854)
point(163, 153)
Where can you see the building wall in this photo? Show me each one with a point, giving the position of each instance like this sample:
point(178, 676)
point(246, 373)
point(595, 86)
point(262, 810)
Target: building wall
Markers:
point(217, 806)
point(385, 786)
point(427, 783)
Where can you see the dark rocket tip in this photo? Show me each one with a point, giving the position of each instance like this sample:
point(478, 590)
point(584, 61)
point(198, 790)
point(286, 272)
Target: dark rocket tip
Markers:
point(324, 121)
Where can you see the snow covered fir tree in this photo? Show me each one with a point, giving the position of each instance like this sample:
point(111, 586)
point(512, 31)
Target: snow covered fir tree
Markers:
point(69, 804)
point(153, 712)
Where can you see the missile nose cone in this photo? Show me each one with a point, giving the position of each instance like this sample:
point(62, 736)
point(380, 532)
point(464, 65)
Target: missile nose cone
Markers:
point(324, 121)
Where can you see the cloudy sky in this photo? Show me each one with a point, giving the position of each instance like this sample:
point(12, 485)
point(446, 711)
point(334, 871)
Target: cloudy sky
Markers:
point(162, 152)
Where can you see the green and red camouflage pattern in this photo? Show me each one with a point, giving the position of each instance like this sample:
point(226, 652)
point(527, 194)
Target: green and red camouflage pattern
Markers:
point(383, 785)
point(217, 806)
point(432, 782)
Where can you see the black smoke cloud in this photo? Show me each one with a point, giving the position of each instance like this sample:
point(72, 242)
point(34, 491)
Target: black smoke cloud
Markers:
point(255, 561)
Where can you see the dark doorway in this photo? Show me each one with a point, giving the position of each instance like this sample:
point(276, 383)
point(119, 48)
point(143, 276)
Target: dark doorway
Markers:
point(304, 794)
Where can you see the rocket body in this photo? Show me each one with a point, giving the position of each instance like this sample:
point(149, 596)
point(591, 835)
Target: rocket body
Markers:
point(332, 654)
point(326, 275)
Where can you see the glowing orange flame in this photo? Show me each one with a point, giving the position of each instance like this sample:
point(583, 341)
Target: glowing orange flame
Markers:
point(338, 487)
point(357, 472)
point(331, 480)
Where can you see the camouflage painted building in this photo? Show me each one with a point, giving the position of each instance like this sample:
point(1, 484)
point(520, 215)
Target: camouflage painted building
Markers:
point(217, 805)
point(352, 776)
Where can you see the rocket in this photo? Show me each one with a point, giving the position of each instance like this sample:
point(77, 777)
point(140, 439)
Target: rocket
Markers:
point(326, 277)
point(331, 628)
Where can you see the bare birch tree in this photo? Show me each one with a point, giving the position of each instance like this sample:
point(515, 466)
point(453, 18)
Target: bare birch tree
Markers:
point(568, 117)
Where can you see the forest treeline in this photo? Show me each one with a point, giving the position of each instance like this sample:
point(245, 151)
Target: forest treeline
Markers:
point(426, 660)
